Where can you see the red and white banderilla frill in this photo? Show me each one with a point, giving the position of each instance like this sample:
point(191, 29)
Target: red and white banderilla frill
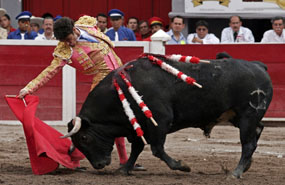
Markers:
point(174, 71)
point(138, 99)
point(129, 112)
point(186, 59)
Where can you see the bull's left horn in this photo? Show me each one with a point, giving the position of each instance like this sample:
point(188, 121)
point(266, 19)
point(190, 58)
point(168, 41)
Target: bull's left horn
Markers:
point(77, 125)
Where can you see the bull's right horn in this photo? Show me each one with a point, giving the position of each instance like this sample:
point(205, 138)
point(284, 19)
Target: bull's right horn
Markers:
point(77, 125)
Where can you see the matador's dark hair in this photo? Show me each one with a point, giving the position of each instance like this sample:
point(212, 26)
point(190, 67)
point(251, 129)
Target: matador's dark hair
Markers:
point(63, 27)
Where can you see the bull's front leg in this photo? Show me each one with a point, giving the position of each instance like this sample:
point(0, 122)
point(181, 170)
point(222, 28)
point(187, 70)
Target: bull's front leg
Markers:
point(158, 151)
point(136, 148)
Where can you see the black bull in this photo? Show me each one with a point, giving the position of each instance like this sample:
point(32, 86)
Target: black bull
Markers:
point(233, 90)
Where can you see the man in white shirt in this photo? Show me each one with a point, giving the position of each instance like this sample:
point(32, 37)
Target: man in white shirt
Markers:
point(177, 25)
point(236, 32)
point(277, 34)
point(202, 35)
point(48, 30)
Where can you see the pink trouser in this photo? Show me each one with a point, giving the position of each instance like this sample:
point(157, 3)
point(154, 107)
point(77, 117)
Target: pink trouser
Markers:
point(121, 148)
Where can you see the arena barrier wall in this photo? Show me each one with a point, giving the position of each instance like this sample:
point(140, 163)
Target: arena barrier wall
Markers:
point(21, 61)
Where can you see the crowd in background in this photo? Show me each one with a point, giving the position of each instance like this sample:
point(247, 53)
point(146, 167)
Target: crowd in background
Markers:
point(133, 29)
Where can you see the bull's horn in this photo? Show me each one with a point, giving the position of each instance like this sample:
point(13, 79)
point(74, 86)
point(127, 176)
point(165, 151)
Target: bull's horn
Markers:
point(77, 125)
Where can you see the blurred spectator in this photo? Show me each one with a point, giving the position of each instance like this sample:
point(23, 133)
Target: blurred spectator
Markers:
point(48, 30)
point(236, 32)
point(2, 12)
point(143, 30)
point(202, 35)
point(133, 25)
point(102, 21)
point(5, 22)
point(24, 31)
point(277, 34)
point(36, 23)
point(47, 14)
point(177, 25)
point(156, 24)
point(118, 32)
point(3, 33)
point(57, 17)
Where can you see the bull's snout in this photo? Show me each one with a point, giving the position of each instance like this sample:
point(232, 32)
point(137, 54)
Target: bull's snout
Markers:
point(99, 165)
point(102, 164)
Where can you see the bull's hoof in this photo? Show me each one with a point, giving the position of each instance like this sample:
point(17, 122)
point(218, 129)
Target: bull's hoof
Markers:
point(184, 167)
point(123, 170)
point(236, 175)
point(138, 167)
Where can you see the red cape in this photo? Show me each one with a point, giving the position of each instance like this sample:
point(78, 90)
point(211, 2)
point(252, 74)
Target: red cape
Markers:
point(46, 149)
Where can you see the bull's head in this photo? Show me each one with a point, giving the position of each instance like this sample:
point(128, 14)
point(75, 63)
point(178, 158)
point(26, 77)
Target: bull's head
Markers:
point(90, 140)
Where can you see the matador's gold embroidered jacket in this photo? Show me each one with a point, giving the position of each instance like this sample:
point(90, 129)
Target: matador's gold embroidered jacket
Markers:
point(96, 59)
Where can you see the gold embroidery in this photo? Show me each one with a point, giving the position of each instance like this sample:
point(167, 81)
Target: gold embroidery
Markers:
point(63, 51)
point(86, 20)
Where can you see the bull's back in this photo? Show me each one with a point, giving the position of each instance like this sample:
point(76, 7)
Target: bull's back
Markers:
point(227, 85)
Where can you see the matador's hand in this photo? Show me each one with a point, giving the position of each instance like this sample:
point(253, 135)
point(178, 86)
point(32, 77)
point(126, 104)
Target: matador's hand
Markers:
point(23, 93)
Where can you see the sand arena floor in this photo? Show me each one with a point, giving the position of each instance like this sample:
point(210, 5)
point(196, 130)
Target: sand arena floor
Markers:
point(211, 161)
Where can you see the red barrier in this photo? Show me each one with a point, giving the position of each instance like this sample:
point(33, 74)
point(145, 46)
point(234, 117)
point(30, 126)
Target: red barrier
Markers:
point(20, 64)
point(272, 55)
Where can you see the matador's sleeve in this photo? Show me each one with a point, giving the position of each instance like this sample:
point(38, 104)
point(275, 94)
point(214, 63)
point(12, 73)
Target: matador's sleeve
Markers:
point(55, 66)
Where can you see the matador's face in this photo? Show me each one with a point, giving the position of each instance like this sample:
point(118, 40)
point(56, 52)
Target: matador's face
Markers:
point(71, 39)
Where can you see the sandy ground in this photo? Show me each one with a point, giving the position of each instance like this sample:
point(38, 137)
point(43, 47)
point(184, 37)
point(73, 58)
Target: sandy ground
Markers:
point(210, 161)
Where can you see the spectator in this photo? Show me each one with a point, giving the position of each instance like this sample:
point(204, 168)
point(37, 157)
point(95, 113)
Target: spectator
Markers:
point(102, 21)
point(36, 23)
point(202, 35)
point(156, 24)
point(177, 25)
point(3, 33)
point(86, 49)
point(47, 14)
point(236, 32)
point(48, 30)
point(24, 31)
point(56, 18)
point(277, 34)
point(2, 12)
point(143, 30)
point(5, 21)
point(118, 32)
point(133, 25)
